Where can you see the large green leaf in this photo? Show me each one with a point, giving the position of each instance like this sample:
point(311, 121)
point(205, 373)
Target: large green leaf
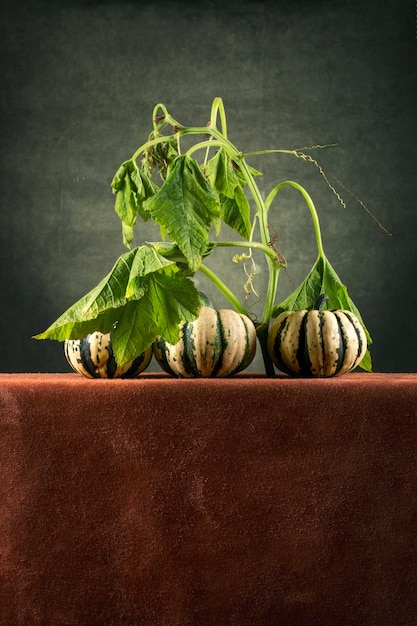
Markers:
point(98, 304)
point(169, 299)
point(323, 279)
point(185, 207)
point(143, 296)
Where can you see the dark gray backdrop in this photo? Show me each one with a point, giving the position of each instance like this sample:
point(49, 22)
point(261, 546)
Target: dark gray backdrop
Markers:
point(80, 80)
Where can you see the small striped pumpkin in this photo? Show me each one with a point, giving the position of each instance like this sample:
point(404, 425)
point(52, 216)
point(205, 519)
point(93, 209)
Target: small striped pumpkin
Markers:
point(93, 357)
point(217, 344)
point(316, 343)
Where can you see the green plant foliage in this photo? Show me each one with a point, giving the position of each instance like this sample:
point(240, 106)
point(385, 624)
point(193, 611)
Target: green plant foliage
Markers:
point(235, 208)
point(150, 289)
point(186, 207)
point(143, 296)
point(131, 187)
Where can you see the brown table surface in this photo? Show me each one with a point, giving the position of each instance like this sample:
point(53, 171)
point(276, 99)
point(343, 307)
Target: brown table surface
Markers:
point(243, 501)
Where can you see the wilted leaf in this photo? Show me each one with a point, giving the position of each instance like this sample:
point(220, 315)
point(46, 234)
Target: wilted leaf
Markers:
point(235, 208)
point(185, 207)
point(236, 212)
point(143, 296)
point(169, 299)
point(131, 187)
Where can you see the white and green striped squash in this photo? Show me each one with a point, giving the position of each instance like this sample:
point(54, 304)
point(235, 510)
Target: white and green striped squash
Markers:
point(316, 343)
point(93, 357)
point(217, 344)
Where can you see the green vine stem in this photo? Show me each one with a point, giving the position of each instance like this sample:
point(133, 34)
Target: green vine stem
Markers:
point(231, 150)
point(224, 289)
point(310, 204)
point(218, 139)
point(218, 108)
point(189, 198)
point(254, 245)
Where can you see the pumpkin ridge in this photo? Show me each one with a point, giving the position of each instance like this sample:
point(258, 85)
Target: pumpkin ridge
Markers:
point(323, 353)
point(281, 333)
point(69, 354)
point(136, 363)
point(275, 350)
point(302, 353)
point(245, 360)
point(221, 344)
point(188, 355)
point(360, 350)
point(85, 356)
point(341, 351)
point(111, 364)
point(161, 350)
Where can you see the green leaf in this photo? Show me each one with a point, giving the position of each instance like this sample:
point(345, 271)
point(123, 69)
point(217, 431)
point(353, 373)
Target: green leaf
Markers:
point(98, 305)
point(172, 252)
point(169, 299)
point(126, 203)
point(70, 325)
point(185, 207)
point(236, 212)
point(146, 262)
point(144, 296)
point(131, 187)
point(323, 279)
point(222, 175)
point(127, 232)
point(225, 174)
point(118, 181)
point(168, 250)
point(145, 189)
point(235, 208)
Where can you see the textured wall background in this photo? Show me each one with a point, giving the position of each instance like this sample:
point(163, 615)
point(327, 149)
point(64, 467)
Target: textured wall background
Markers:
point(79, 83)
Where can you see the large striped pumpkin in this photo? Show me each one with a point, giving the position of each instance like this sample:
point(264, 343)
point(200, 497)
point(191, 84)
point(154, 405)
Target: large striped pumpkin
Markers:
point(93, 357)
point(218, 343)
point(316, 343)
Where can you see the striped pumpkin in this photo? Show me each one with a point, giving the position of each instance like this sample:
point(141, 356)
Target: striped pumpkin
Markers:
point(316, 343)
point(93, 357)
point(218, 343)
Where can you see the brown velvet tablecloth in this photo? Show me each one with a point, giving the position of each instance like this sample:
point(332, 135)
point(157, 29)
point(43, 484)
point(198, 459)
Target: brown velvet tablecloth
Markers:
point(247, 501)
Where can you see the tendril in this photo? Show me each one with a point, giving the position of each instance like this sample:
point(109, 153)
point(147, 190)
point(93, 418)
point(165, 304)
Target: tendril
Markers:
point(309, 159)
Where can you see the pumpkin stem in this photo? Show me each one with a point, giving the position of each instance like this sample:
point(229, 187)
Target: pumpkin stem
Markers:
point(262, 334)
point(323, 297)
